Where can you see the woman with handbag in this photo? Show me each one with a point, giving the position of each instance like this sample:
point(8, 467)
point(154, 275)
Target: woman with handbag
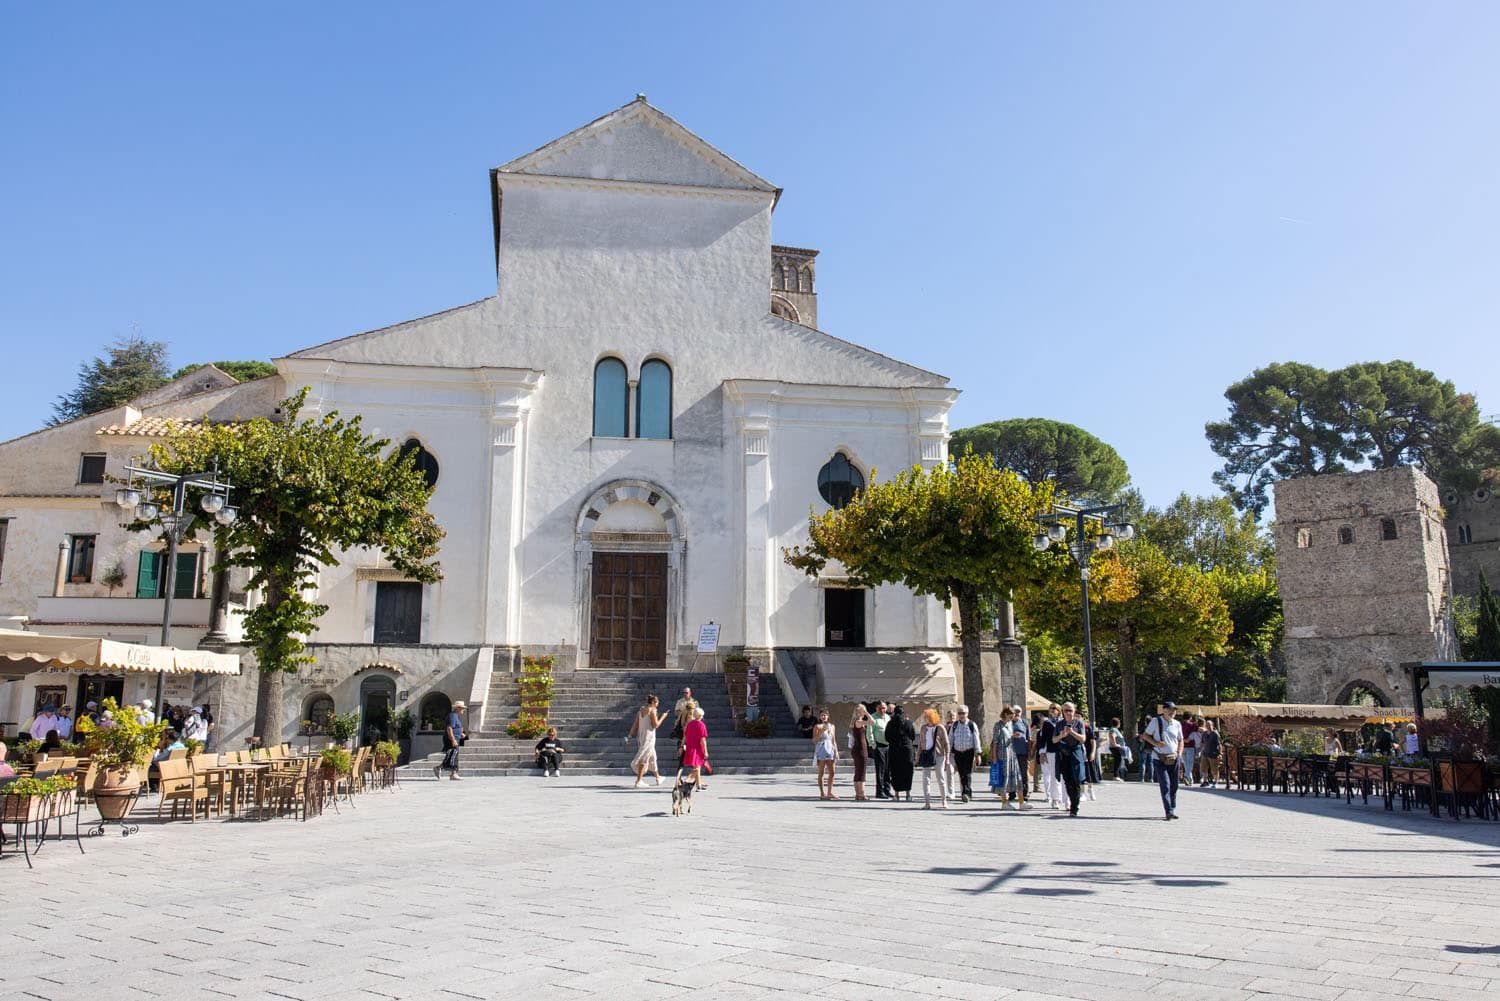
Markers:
point(933, 757)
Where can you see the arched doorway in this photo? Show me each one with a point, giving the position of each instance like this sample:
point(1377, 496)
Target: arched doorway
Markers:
point(377, 701)
point(1362, 693)
point(630, 560)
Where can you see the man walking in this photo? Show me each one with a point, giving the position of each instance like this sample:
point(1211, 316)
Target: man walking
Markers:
point(453, 739)
point(963, 739)
point(1164, 735)
point(880, 750)
point(65, 724)
point(1189, 756)
point(1069, 735)
point(1046, 758)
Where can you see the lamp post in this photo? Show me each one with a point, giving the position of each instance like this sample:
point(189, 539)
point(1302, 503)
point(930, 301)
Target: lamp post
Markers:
point(1082, 549)
point(175, 521)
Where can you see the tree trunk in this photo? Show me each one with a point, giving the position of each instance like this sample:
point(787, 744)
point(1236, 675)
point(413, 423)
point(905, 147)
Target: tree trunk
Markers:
point(1129, 711)
point(971, 690)
point(268, 706)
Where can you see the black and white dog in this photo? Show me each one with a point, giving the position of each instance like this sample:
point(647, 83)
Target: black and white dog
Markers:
point(682, 794)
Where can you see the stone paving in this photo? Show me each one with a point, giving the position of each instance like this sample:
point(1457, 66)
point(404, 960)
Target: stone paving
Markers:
point(585, 888)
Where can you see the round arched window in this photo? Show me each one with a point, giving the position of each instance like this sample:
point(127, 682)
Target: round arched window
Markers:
point(319, 710)
point(839, 481)
point(433, 714)
point(422, 461)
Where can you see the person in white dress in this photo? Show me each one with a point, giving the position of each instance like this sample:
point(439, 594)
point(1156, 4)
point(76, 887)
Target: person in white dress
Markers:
point(825, 753)
point(643, 729)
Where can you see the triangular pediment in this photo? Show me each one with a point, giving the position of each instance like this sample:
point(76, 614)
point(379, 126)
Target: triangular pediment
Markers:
point(637, 143)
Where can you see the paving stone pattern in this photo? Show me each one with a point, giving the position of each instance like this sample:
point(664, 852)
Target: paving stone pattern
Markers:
point(585, 888)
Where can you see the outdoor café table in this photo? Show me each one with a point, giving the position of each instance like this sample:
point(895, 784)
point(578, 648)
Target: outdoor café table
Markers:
point(242, 774)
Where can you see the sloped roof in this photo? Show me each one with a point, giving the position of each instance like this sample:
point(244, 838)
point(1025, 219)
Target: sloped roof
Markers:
point(602, 150)
point(149, 427)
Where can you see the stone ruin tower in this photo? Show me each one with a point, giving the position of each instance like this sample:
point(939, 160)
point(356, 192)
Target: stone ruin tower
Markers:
point(1362, 563)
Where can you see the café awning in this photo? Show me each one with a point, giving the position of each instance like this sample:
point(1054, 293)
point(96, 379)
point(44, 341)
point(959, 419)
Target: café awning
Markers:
point(1292, 715)
point(23, 653)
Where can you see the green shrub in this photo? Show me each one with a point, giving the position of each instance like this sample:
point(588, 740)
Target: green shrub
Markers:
point(336, 759)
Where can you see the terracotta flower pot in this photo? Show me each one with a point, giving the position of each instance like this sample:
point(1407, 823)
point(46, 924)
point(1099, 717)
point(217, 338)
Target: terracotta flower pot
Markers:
point(113, 788)
point(22, 809)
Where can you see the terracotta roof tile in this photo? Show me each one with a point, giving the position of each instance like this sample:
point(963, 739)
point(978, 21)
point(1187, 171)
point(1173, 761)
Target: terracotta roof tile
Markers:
point(149, 427)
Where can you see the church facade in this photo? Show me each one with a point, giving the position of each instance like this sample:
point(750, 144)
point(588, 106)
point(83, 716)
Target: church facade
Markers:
point(620, 442)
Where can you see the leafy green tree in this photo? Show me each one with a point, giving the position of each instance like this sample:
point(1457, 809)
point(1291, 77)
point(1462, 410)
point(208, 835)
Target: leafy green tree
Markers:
point(130, 366)
point(305, 489)
point(244, 371)
point(956, 533)
point(1291, 419)
point(1056, 669)
point(1284, 421)
point(1142, 605)
point(1043, 451)
point(1487, 624)
point(1206, 532)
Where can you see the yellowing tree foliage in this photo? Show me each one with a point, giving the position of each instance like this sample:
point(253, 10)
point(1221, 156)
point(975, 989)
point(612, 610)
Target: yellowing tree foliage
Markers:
point(956, 533)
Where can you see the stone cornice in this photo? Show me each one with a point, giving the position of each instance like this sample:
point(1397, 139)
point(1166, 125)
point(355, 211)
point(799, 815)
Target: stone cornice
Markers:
point(503, 181)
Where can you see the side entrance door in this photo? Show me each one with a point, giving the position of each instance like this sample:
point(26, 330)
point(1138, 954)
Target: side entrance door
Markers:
point(844, 617)
point(629, 610)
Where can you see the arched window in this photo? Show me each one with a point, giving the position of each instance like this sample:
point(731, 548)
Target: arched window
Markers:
point(839, 481)
point(611, 399)
point(422, 461)
point(319, 710)
point(653, 401)
point(433, 713)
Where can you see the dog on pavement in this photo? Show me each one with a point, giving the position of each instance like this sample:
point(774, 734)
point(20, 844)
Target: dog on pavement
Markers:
point(682, 795)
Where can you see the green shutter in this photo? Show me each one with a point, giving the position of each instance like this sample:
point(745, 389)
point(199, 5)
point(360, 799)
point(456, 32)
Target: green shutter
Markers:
point(147, 582)
point(185, 581)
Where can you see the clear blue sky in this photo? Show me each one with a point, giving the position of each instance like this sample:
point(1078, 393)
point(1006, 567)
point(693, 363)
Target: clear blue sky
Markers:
point(1099, 214)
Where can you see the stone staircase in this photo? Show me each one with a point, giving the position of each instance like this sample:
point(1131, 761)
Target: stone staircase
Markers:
point(592, 712)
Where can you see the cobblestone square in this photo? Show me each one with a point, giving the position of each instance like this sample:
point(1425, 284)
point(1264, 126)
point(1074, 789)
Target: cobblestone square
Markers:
point(586, 888)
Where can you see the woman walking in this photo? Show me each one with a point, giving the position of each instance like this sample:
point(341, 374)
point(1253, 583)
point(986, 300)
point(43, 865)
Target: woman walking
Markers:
point(695, 746)
point(825, 754)
point(900, 735)
point(859, 748)
point(933, 757)
point(643, 729)
point(1008, 775)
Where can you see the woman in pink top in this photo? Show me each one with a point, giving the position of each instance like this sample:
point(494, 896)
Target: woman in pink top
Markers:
point(695, 744)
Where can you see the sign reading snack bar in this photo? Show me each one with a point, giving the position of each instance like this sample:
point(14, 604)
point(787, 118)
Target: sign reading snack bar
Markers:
point(708, 638)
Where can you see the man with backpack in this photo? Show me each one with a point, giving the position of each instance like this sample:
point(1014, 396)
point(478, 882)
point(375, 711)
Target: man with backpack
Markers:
point(1164, 736)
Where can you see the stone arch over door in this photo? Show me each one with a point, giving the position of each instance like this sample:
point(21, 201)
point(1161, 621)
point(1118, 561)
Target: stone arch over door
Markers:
point(621, 518)
point(1382, 698)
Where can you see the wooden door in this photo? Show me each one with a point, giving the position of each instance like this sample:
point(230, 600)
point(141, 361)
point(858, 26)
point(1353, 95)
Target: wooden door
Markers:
point(630, 610)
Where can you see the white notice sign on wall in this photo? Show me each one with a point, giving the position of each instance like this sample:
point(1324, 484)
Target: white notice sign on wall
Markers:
point(708, 638)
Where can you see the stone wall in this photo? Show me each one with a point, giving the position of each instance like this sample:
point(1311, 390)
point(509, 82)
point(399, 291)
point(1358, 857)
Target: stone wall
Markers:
point(1362, 564)
point(1474, 537)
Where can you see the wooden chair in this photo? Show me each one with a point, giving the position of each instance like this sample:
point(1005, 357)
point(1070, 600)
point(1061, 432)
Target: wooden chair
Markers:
point(359, 769)
point(214, 782)
point(178, 755)
point(180, 786)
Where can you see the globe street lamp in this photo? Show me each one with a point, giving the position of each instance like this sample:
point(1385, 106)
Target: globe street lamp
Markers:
point(1082, 548)
point(136, 500)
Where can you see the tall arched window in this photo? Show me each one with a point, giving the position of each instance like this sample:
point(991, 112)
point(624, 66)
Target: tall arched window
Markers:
point(611, 399)
point(432, 715)
point(653, 401)
point(839, 481)
point(422, 461)
point(317, 712)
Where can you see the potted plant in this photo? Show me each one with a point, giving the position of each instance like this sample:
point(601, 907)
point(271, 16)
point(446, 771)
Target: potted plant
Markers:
point(526, 726)
point(343, 728)
point(30, 799)
point(405, 723)
point(333, 762)
point(387, 753)
point(1463, 732)
point(113, 577)
point(121, 747)
point(760, 727)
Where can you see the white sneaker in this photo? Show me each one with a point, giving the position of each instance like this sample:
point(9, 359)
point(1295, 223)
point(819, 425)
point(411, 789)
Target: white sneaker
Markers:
point(1005, 804)
point(658, 780)
point(454, 777)
point(1091, 794)
point(637, 783)
point(1024, 805)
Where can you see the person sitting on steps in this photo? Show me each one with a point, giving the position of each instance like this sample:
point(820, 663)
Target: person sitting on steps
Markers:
point(549, 752)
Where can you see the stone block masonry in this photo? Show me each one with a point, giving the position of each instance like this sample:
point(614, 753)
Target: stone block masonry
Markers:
point(1363, 567)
